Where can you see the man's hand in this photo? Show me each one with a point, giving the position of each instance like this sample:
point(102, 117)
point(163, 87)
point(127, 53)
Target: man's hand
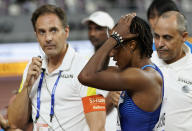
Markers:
point(114, 97)
point(112, 100)
point(33, 71)
point(3, 122)
point(5, 125)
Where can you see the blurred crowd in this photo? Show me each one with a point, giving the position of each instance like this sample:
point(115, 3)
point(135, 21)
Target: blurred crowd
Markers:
point(18, 7)
point(15, 25)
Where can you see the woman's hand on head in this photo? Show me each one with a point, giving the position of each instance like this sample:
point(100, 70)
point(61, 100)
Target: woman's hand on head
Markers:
point(123, 26)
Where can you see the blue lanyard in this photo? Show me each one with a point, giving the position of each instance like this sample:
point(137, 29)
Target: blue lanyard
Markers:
point(52, 95)
point(39, 94)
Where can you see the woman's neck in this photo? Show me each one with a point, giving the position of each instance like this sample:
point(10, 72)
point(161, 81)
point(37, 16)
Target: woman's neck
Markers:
point(140, 61)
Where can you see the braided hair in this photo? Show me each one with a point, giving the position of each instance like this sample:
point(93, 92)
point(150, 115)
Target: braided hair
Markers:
point(145, 38)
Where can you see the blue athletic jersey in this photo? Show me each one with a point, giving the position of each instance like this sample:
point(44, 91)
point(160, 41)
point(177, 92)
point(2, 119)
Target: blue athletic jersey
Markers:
point(132, 118)
point(186, 42)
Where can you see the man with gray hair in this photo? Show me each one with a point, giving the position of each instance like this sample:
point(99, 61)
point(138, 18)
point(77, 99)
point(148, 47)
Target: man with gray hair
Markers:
point(174, 59)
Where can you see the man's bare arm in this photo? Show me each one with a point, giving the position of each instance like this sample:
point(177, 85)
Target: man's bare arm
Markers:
point(96, 120)
point(19, 110)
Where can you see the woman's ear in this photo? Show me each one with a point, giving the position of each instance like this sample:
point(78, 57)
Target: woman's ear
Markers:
point(132, 45)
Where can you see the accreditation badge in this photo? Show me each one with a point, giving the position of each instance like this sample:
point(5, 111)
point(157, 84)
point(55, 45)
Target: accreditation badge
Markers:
point(42, 127)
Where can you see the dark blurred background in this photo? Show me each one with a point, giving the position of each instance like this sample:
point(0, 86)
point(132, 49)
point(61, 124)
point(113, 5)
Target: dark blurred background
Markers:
point(15, 24)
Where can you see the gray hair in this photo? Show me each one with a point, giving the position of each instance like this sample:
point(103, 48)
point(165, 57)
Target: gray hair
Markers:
point(181, 20)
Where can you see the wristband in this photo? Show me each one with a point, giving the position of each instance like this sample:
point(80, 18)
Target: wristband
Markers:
point(117, 37)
